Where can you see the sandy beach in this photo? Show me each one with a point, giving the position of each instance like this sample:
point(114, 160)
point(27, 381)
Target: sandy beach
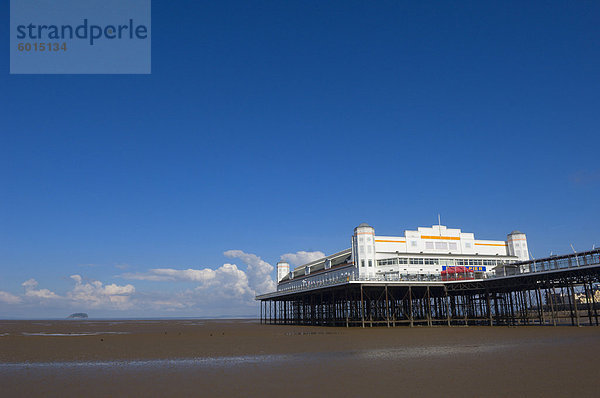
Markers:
point(240, 357)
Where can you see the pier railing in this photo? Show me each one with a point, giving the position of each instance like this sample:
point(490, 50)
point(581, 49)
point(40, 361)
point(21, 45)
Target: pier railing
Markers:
point(561, 262)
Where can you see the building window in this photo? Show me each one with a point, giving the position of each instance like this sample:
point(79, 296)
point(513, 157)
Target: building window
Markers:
point(362, 263)
point(388, 261)
point(429, 245)
point(370, 263)
point(452, 245)
point(441, 246)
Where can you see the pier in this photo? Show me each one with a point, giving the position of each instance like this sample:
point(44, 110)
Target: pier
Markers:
point(558, 290)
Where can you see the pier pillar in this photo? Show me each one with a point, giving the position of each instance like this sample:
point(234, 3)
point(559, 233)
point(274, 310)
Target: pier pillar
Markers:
point(387, 307)
point(362, 306)
point(429, 322)
point(410, 304)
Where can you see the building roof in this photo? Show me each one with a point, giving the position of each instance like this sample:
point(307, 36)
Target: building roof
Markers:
point(364, 224)
point(316, 265)
point(516, 231)
point(339, 258)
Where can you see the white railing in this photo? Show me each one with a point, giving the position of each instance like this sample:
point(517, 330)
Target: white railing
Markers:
point(315, 284)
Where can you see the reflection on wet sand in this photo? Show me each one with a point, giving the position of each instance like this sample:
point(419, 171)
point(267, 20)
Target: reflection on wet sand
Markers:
point(224, 361)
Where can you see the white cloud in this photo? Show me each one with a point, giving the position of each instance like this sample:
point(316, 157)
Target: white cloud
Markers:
point(302, 257)
point(8, 298)
point(228, 289)
point(259, 271)
point(95, 294)
point(226, 284)
point(226, 280)
point(32, 291)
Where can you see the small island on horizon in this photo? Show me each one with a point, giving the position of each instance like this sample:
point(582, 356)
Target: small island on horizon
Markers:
point(78, 315)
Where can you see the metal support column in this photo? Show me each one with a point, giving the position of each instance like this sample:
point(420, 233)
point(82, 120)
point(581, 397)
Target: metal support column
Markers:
point(362, 306)
point(410, 306)
point(387, 307)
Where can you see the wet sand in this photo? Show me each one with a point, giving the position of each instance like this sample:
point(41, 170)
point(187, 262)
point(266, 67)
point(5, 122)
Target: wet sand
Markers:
point(235, 358)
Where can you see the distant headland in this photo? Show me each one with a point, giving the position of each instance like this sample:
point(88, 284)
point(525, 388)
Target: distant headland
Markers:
point(78, 315)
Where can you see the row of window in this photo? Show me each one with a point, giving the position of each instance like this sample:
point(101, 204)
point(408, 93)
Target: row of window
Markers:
point(426, 261)
point(478, 262)
point(441, 246)
point(436, 261)
point(445, 246)
point(392, 261)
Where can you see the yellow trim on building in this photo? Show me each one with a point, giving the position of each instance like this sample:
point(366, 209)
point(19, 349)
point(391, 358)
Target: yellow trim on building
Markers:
point(391, 241)
point(441, 237)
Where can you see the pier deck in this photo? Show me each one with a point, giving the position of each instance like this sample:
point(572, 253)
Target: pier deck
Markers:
point(558, 290)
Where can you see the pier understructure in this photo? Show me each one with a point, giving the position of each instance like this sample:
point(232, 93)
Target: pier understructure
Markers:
point(559, 290)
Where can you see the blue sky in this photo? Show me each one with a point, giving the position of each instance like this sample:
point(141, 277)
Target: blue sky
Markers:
point(270, 128)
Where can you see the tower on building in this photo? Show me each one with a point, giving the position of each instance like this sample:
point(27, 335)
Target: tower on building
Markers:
point(283, 268)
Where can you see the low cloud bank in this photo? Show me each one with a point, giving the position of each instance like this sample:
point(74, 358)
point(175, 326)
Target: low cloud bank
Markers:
point(95, 294)
point(7, 298)
point(228, 289)
point(32, 291)
point(226, 283)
